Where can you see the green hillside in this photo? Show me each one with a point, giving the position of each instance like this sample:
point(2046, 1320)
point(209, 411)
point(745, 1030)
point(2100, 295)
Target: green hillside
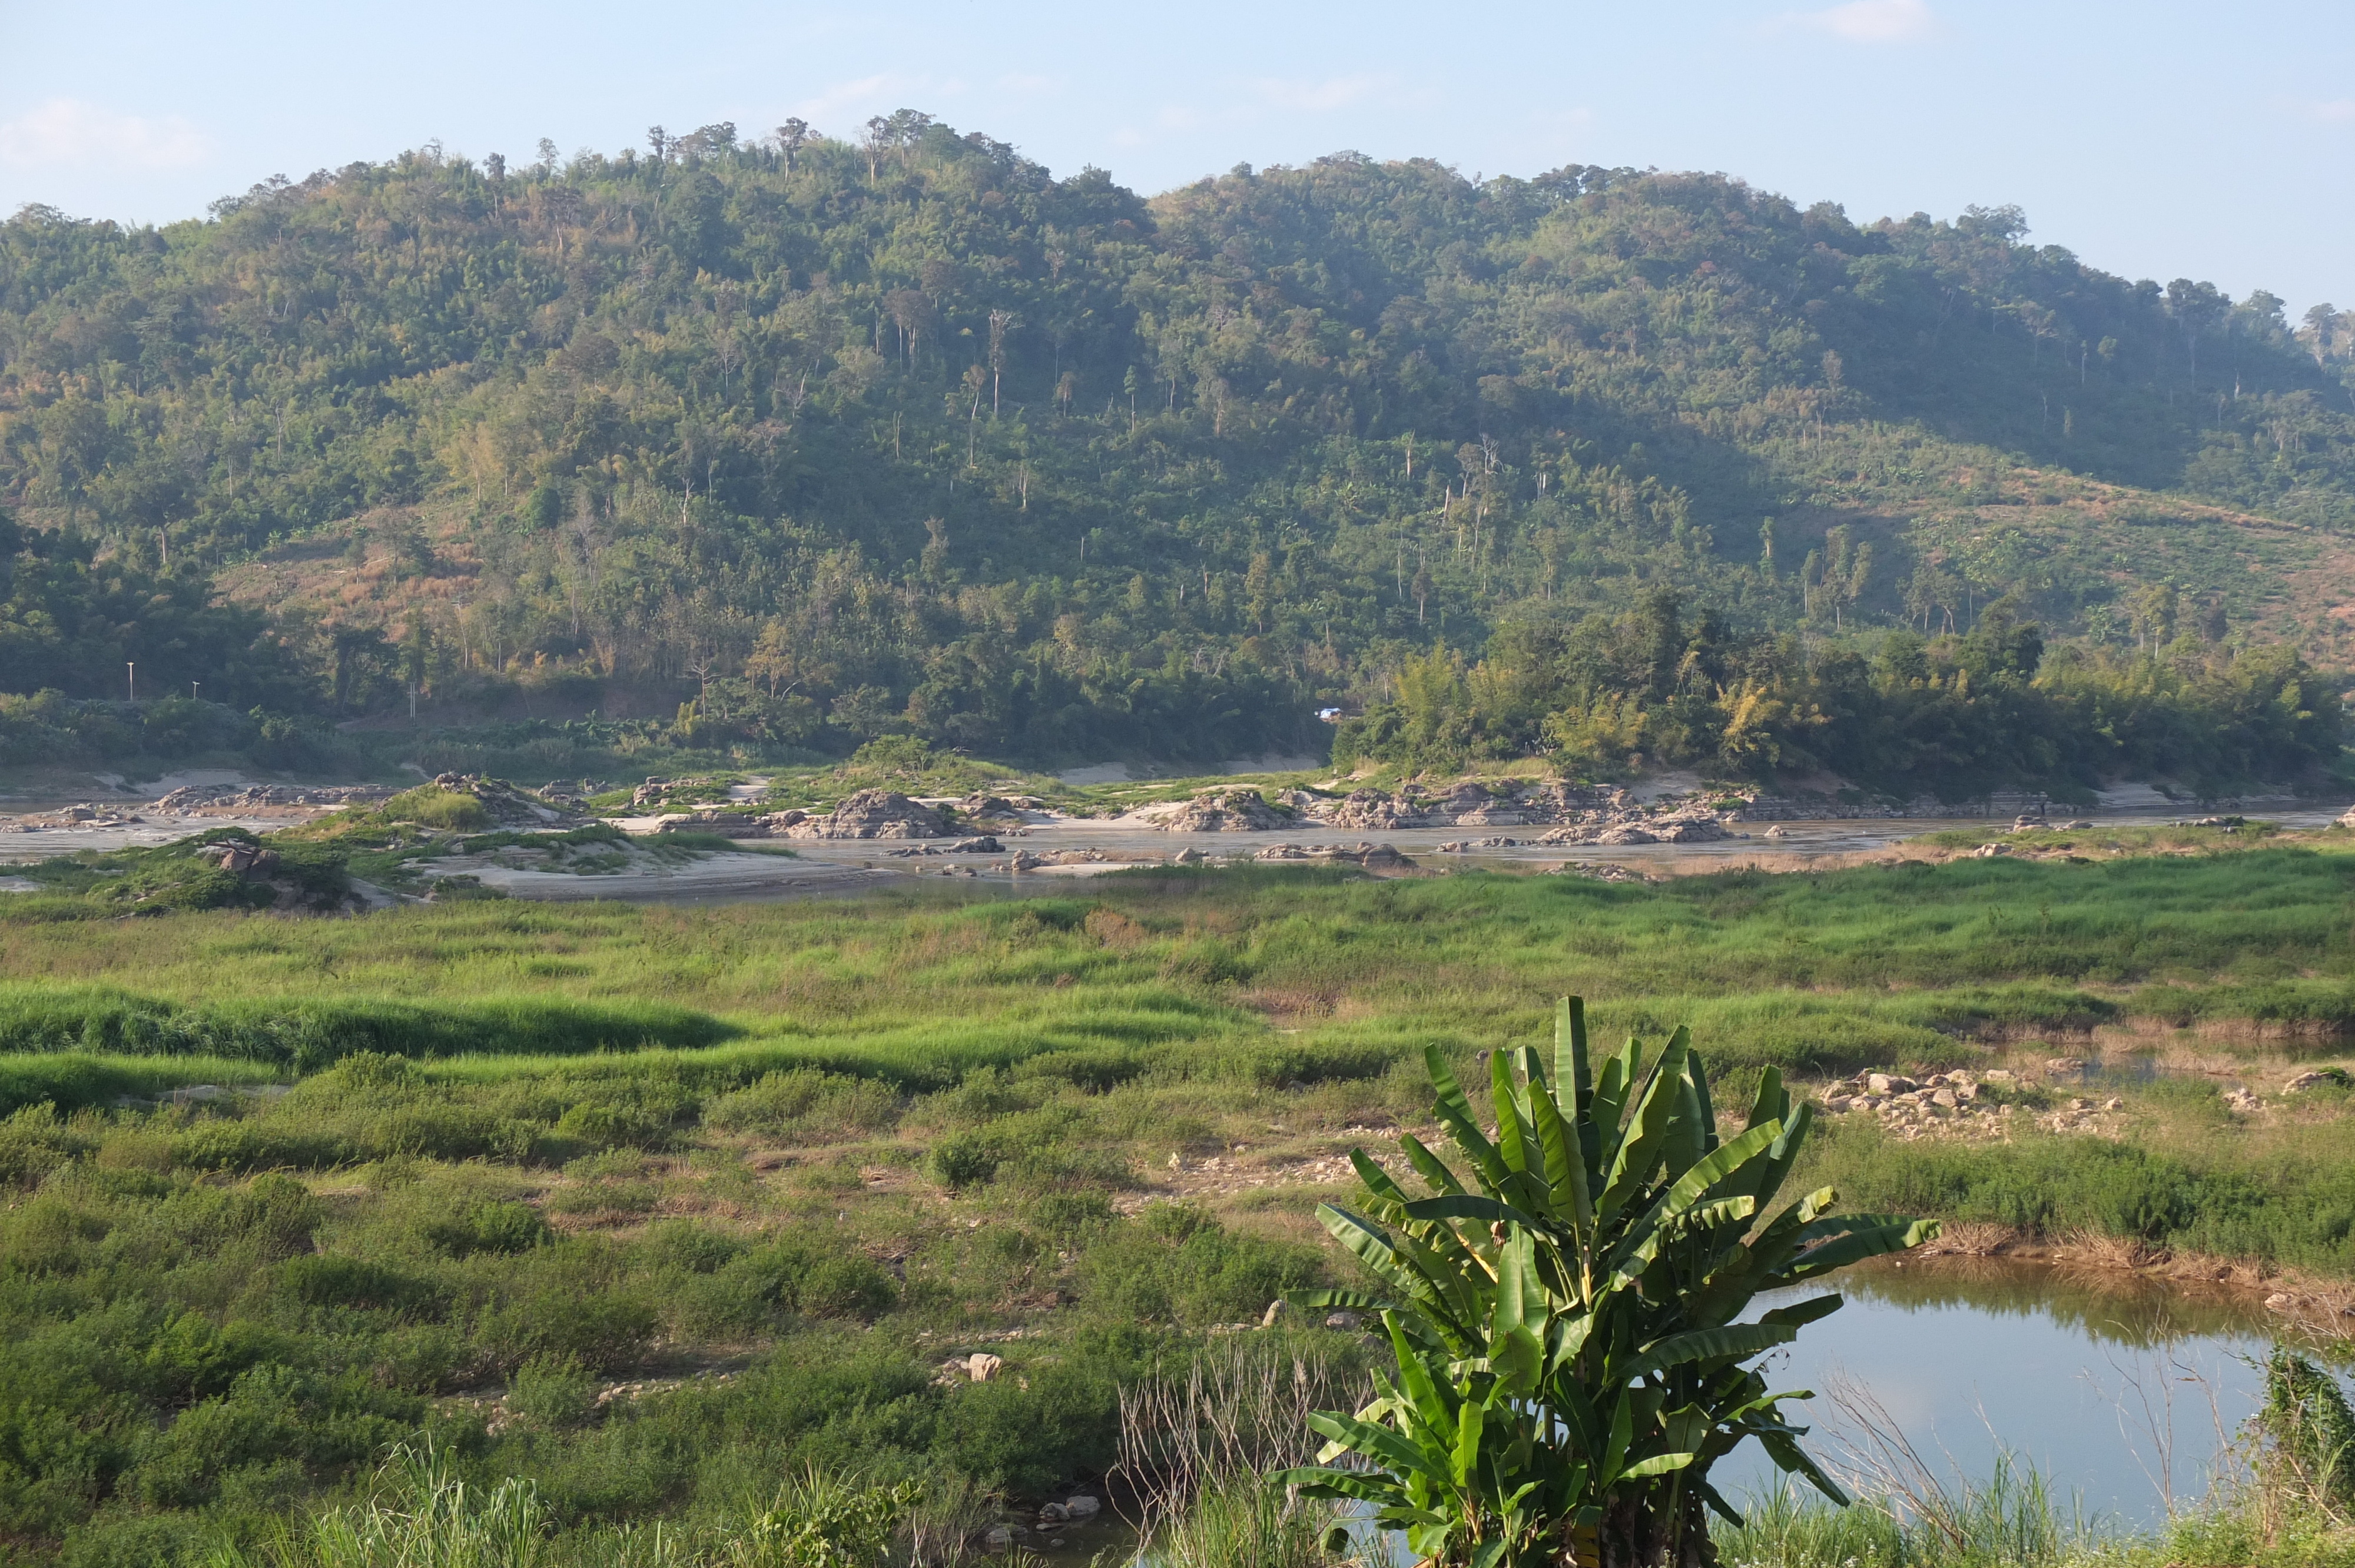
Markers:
point(906, 435)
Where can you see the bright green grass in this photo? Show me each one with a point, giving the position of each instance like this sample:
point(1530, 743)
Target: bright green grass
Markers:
point(1270, 972)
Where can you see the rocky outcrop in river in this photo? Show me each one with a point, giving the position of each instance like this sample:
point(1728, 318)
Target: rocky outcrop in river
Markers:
point(1226, 811)
point(868, 814)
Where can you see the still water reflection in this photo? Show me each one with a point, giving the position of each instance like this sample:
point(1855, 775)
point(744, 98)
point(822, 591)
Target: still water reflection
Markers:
point(2123, 1390)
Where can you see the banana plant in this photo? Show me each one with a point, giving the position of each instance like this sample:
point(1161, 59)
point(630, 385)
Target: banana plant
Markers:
point(1564, 1307)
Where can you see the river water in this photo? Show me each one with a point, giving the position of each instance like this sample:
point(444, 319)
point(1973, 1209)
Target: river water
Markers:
point(2125, 1391)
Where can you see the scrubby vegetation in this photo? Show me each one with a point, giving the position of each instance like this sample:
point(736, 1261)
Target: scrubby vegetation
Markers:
point(457, 1176)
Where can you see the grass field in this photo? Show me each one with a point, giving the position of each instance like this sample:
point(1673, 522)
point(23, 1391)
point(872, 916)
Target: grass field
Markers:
point(647, 1204)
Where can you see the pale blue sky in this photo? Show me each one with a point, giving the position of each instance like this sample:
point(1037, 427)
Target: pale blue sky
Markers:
point(2155, 140)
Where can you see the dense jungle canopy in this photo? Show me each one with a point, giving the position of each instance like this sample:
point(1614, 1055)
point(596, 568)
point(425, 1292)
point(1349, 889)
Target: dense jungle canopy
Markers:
point(832, 439)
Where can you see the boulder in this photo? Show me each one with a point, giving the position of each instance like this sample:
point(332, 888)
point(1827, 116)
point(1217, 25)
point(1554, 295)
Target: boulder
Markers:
point(1083, 1506)
point(982, 1367)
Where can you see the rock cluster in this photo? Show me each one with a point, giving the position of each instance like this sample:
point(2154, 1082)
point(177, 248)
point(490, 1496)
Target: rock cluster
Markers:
point(983, 845)
point(1466, 804)
point(656, 790)
point(868, 814)
point(998, 807)
point(1600, 871)
point(1808, 806)
point(82, 816)
point(507, 805)
point(978, 1367)
point(240, 859)
point(731, 824)
point(1373, 856)
point(1370, 808)
point(1685, 825)
point(1953, 1104)
point(1031, 859)
point(231, 797)
point(1942, 1102)
point(1226, 811)
point(1577, 814)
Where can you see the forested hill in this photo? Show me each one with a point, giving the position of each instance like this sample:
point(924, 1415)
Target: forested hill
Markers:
point(905, 434)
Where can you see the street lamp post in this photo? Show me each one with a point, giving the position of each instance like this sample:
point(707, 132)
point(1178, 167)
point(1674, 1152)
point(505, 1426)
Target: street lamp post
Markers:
point(133, 665)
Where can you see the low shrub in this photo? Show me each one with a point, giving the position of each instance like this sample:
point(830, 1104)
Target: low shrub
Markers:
point(1175, 1265)
point(494, 1227)
point(432, 806)
point(807, 1104)
point(554, 1392)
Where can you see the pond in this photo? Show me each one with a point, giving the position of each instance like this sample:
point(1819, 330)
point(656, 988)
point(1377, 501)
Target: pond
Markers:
point(2123, 1390)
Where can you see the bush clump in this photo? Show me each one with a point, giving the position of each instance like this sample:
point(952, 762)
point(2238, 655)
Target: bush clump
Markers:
point(432, 806)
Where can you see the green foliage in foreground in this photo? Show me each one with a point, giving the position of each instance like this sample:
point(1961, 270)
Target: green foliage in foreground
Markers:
point(426, 1513)
point(1568, 1364)
point(194, 1348)
point(199, 1343)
